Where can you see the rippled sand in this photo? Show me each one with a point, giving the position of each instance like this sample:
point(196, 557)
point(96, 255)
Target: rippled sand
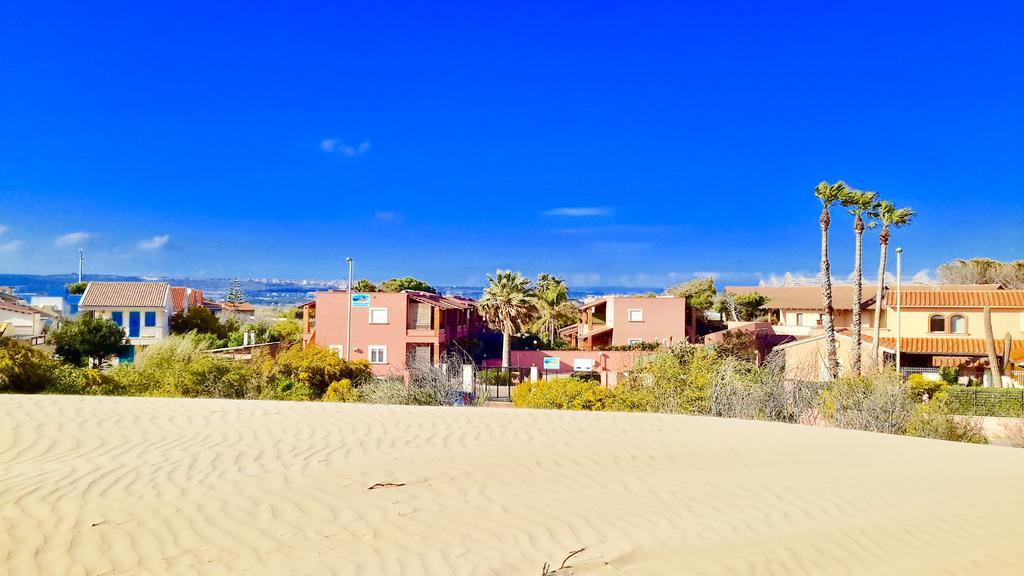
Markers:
point(169, 486)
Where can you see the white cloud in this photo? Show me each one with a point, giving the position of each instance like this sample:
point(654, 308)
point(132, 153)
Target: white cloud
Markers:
point(387, 215)
point(71, 239)
point(3, 229)
point(579, 211)
point(9, 247)
point(335, 146)
point(154, 243)
point(584, 279)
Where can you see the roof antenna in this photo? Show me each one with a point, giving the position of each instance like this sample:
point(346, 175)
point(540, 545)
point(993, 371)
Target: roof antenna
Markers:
point(81, 259)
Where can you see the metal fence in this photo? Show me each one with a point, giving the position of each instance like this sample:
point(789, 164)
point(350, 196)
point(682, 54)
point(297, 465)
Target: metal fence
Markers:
point(1005, 402)
point(497, 383)
point(907, 371)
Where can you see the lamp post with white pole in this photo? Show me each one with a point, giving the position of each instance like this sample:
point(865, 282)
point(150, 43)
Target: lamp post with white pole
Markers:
point(899, 296)
point(348, 335)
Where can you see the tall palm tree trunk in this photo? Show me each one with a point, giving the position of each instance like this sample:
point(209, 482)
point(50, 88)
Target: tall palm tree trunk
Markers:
point(858, 290)
point(883, 241)
point(826, 292)
point(990, 349)
point(506, 348)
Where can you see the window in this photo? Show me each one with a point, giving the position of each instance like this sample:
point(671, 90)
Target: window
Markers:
point(958, 324)
point(636, 315)
point(634, 341)
point(936, 323)
point(800, 319)
point(150, 319)
point(117, 318)
point(378, 354)
point(378, 315)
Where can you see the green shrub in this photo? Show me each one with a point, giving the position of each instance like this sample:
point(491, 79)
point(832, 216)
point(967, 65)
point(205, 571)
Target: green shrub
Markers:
point(933, 419)
point(341, 391)
point(560, 394)
point(949, 375)
point(920, 385)
point(977, 401)
point(877, 403)
point(316, 368)
point(23, 369)
point(91, 382)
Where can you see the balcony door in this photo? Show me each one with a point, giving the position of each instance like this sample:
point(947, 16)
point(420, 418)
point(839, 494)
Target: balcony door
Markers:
point(134, 324)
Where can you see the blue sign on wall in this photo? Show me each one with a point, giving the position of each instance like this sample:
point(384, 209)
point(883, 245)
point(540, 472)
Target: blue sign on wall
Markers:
point(552, 362)
point(360, 300)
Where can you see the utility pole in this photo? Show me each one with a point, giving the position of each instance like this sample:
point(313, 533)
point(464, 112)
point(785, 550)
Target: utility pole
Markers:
point(81, 259)
point(348, 336)
point(899, 297)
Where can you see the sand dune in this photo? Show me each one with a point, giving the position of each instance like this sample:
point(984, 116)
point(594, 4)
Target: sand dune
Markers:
point(158, 486)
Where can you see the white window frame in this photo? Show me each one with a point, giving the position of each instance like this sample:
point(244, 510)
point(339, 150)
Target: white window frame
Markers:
point(799, 318)
point(634, 341)
point(386, 315)
point(374, 348)
point(629, 314)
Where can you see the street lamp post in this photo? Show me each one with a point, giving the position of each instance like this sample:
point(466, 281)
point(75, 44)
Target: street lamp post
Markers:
point(899, 296)
point(348, 335)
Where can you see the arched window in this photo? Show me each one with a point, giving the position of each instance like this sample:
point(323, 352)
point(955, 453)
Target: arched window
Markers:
point(936, 323)
point(958, 324)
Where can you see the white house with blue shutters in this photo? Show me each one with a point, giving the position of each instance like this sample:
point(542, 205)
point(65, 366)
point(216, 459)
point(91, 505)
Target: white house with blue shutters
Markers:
point(142, 309)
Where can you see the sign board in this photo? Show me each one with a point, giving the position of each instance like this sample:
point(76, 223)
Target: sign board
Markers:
point(583, 365)
point(360, 300)
point(552, 362)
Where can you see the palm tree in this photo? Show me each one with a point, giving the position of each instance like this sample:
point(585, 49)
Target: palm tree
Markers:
point(859, 204)
point(508, 304)
point(554, 307)
point(990, 350)
point(889, 216)
point(829, 195)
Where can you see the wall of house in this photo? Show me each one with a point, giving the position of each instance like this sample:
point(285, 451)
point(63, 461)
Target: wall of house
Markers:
point(808, 360)
point(611, 365)
point(147, 334)
point(844, 318)
point(664, 320)
point(914, 322)
point(24, 324)
point(424, 328)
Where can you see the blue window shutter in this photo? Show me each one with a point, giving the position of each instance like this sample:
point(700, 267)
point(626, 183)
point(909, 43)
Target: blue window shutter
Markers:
point(118, 318)
point(150, 319)
point(133, 324)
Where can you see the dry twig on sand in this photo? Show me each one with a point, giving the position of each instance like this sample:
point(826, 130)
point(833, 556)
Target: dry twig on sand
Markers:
point(546, 570)
point(386, 485)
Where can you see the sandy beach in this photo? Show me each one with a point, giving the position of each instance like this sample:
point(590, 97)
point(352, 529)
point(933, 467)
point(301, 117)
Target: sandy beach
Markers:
point(172, 486)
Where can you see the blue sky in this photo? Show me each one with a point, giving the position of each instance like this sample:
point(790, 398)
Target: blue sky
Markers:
point(623, 143)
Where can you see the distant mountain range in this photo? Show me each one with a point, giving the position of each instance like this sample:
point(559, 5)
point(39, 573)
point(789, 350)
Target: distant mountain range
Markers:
point(259, 291)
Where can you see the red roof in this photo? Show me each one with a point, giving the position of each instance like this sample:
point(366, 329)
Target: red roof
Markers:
point(125, 295)
point(952, 346)
point(240, 307)
point(178, 294)
point(959, 298)
point(20, 308)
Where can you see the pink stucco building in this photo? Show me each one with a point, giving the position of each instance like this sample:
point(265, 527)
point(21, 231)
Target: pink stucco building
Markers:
point(628, 320)
point(391, 329)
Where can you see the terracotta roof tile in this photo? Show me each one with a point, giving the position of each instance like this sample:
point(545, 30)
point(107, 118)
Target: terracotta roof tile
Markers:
point(952, 346)
point(178, 294)
point(20, 308)
point(125, 294)
point(959, 298)
point(806, 297)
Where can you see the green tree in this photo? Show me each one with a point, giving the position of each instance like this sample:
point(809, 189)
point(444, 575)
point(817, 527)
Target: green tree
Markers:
point(554, 307)
point(198, 319)
point(364, 285)
point(700, 293)
point(829, 195)
point(508, 304)
point(859, 204)
point(88, 339)
point(235, 294)
point(407, 283)
point(286, 331)
point(889, 216)
point(748, 306)
point(77, 287)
